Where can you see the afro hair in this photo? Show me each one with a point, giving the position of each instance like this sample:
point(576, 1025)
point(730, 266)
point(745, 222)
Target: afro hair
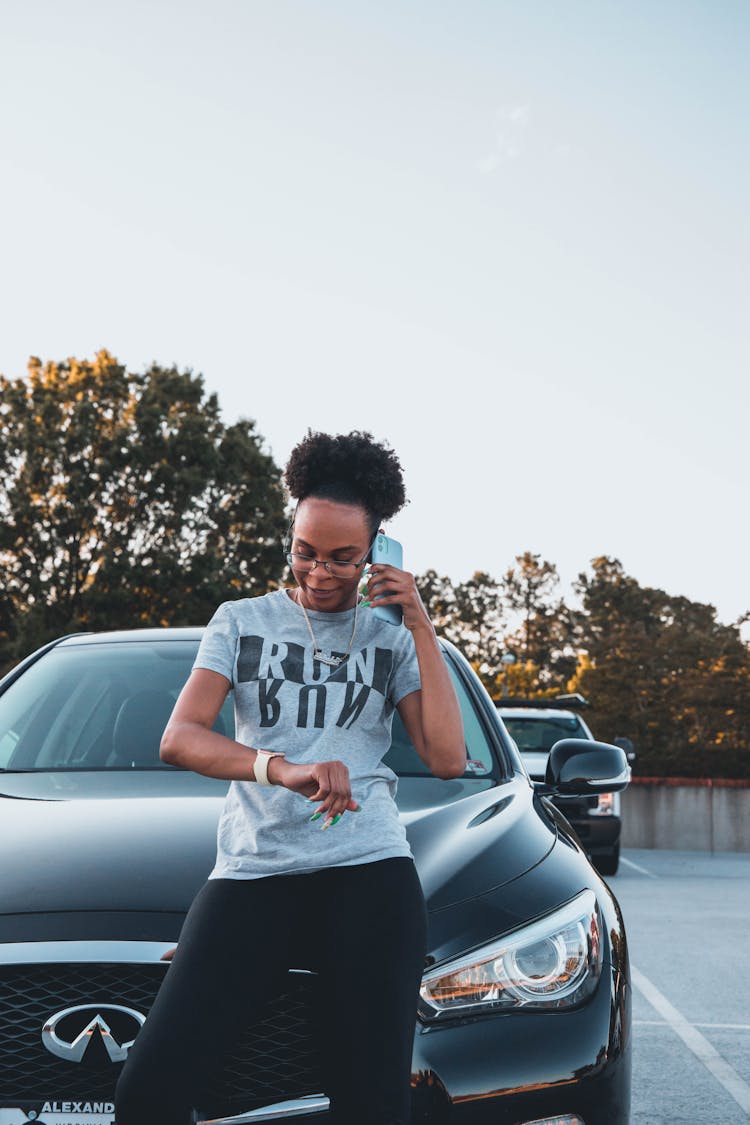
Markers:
point(348, 468)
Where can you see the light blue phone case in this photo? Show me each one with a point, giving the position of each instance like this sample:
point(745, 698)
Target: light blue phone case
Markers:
point(387, 550)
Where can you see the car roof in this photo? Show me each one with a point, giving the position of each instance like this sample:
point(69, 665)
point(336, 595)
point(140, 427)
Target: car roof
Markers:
point(172, 633)
point(535, 713)
point(166, 633)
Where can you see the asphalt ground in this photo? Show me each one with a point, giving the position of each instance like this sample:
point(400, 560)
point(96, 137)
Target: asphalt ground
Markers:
point(687, 917)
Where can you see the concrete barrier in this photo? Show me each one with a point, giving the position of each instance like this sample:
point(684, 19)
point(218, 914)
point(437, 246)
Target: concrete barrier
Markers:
point(696, 814)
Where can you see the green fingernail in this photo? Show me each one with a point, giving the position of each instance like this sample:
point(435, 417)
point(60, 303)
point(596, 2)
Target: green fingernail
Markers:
point(358, 809)
point(315, 815)
point(363, 605)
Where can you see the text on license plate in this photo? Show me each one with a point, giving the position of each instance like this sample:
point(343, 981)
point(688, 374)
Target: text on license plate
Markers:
point(60, 1113)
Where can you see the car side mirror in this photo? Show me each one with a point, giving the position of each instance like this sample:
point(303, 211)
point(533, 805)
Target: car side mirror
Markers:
point(579, 767)
point(626, 745)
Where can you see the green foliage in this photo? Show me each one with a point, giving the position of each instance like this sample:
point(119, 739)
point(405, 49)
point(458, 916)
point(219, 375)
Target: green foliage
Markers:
point(481, 616)
point(543, 638)
point(658, 669)
point(664, 672)
point(522, 679)
point(470, 615)
point(126, 501)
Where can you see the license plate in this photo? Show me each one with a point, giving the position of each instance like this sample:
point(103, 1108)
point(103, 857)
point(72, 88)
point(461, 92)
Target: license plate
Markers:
point(60, 1113)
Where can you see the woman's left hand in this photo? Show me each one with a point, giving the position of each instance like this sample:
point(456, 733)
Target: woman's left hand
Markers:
point(387, 585)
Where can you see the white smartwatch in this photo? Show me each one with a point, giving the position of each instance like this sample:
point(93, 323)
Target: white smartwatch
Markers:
point(260, 767)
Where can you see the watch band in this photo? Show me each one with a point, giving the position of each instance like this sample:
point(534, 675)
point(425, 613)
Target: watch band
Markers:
point(260, 767)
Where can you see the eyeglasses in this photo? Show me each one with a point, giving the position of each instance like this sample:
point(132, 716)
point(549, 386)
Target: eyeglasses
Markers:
point(304, 564)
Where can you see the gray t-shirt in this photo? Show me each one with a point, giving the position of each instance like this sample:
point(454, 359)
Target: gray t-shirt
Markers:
point(283, 700)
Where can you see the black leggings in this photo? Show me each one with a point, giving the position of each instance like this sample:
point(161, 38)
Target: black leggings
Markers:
point(363, 928)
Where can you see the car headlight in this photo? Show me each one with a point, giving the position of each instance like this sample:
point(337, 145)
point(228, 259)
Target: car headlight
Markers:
point(605, 805)
point(554, 962)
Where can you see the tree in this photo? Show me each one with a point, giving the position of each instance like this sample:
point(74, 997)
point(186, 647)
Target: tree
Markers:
point(439, 596)
point(544, 637)
point(470, 615)
point(480, 622)
point(126, 501)
point(523, 680)
point(663, 671)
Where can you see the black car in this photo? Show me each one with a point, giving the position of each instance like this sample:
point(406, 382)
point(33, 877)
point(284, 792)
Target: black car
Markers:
point(525, 1006)
point(535, 726)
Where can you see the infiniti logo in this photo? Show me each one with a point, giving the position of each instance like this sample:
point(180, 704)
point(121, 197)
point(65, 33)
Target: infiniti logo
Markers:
point(71, 1032)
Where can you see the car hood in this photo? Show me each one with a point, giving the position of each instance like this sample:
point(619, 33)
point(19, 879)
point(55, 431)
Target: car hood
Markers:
point(84, 851)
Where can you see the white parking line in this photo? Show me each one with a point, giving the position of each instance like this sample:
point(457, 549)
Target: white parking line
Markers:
point(720, 1026)
point(735, 1086)
point(637, 867)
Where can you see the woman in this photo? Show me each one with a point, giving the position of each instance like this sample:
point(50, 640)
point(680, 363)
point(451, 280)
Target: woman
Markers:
point(313, 867)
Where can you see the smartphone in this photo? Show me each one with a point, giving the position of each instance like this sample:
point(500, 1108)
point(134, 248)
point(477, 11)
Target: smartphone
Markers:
point(387, 550)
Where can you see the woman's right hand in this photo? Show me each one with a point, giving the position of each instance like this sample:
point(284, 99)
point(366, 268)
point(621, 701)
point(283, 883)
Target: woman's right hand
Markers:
point(327, 782)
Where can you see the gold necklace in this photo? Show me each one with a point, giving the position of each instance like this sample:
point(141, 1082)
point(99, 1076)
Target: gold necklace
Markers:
point(333, 661)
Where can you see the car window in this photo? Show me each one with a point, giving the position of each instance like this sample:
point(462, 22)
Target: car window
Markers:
point(97, 706)
point(404, 760)
point(105, 705)
point(541, 734)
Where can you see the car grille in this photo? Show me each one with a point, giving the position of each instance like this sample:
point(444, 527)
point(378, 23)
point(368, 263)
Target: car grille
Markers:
point(275, 1059)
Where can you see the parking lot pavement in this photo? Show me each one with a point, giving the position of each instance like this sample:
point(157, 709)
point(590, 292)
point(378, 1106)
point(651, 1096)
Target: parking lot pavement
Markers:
point(687, 916)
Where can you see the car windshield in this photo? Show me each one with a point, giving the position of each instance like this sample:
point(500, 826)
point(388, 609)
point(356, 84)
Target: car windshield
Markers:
point(103, 705)
point(541, 734)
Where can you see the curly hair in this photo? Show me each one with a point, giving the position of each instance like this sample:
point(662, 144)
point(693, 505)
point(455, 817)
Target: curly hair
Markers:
point(350, 469)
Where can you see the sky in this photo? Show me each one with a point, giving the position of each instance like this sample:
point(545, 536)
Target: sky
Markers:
point(509, 238)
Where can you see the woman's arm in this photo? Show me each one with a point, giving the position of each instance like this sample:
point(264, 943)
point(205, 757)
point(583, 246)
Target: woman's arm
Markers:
point(188, 741)
point(432, 716)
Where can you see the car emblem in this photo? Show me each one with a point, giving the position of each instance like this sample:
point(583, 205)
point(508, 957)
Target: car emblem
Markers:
point(127, 1020)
